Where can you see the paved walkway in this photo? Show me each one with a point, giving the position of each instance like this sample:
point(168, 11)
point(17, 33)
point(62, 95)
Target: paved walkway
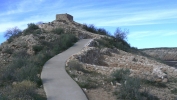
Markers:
point(58, 85)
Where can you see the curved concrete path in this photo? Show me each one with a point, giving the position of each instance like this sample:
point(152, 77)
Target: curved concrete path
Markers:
point(58, 85)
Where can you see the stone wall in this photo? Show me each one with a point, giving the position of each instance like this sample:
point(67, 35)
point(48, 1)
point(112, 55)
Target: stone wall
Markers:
point(64, 17)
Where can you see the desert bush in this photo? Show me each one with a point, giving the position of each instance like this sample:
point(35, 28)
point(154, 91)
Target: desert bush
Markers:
point(24, 90)
point(148, 96)
point(90, 28)
point(58, 31)
point(102, 31)
point(174, 91)
point(37, 48)
point(106, 42)
point(120, 75)
point(67, 40)
point(9, 71)
point(42, 37)
point(28, 72)
point(154, 83)
point(120, 35)
point(130, 86)
point(38, 31)
point(22, 53)
point(7, 50)
point(31, 29)
point(129, 89)
point(110, 42)
point(11, 33)
point(93, 29)
point(88, 84)
point(74, 65)
point(32, 26)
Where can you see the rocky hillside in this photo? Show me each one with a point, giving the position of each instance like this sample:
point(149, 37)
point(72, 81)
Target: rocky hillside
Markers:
point(168, 54)
point(23, 55)
point(106, 69)
point(100, 67)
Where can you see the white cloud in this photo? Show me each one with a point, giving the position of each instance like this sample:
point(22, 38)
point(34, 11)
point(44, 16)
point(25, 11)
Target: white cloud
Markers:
point(140, 18)
point(156, 33)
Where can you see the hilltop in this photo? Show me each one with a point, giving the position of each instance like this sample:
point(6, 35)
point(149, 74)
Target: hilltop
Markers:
point(107, 69)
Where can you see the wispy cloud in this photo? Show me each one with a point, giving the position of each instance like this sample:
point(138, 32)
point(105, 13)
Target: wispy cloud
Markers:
point(115, 13)
point(135, 18)
point(156, 33)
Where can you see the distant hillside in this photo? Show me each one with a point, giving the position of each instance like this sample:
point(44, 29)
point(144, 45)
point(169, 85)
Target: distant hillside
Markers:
point(169, 54)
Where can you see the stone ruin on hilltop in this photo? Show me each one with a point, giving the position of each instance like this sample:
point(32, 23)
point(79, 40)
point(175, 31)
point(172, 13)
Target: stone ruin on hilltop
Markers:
point(62, 20)
point(66, 22)
point(64, 17)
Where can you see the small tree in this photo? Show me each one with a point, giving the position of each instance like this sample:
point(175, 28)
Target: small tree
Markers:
point(12, 32)
point(121, 35)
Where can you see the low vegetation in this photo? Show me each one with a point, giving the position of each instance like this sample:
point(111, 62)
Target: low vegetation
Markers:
point(118, 40)
point(130, 87)
point(87, 80)
point(110, 42)
point(93, 29)
point(12, 33)
point(21, 77)
point(58, 31)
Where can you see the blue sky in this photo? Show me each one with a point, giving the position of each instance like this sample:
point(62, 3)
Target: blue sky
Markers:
point(151, 23)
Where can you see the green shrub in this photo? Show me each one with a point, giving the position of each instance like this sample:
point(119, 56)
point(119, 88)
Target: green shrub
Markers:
point(74, 65)
point(32, 26)
point(38, 31)
point(120, 75)
point(67, 40)
point(37, 48)
point(130, 86)
point(28, 72)
point(120, 35)
point(12, 33)
point(9, 71)
point(102, 31)
point(174, 91)
point(154, 83)
point(24, 90)
point(8, 50)
point(93, 29)
point(105, 42)
point(31, 29)
point(148, 95)
point(58, 31)
point(90, 28)
point(110, 42)
point(88, 84)
point(129, 89)
point(20, 54)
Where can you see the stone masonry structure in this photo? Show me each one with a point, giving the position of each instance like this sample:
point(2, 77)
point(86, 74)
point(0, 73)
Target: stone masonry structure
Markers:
point(66, 22)
point(64, 17)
